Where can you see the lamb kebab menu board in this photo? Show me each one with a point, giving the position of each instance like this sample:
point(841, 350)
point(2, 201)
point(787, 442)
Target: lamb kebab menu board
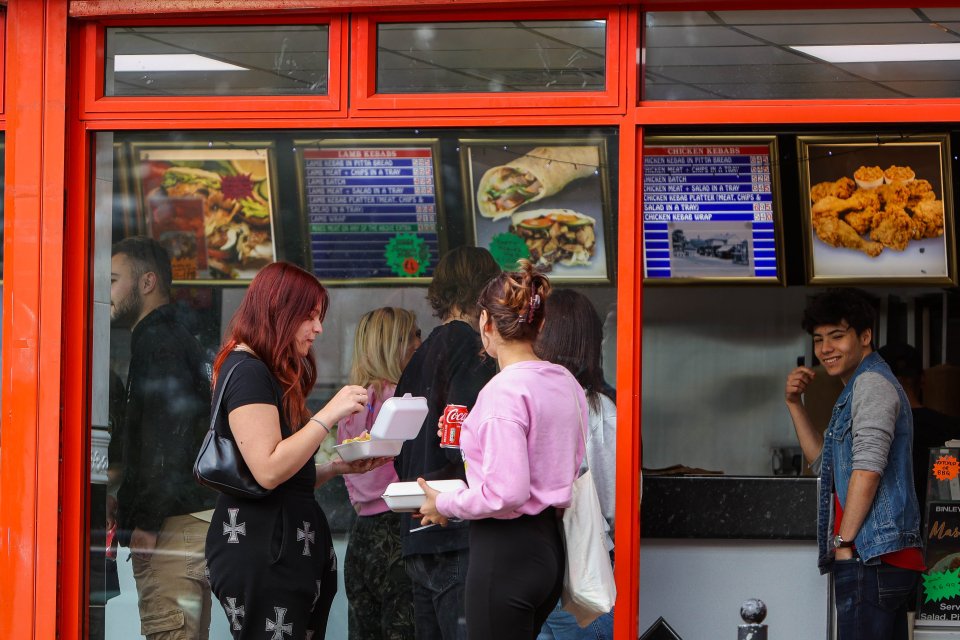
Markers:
point(709, 211)
point(372, 211)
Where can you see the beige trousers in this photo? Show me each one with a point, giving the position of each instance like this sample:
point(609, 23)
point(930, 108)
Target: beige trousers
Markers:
point(174, 595)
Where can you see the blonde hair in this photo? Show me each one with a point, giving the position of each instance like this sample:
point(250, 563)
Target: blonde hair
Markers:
point(382, 340)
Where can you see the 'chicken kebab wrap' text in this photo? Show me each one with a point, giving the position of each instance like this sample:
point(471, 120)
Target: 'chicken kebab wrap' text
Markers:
point(540, 173)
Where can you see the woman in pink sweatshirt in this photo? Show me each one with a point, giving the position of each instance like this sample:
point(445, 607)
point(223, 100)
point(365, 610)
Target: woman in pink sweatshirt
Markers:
point(522, 445)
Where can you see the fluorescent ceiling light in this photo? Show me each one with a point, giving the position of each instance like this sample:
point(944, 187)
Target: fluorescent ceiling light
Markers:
point(883, 52)
point(171, 62)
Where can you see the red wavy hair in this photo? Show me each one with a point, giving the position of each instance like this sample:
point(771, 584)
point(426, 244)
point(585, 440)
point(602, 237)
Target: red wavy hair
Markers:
point(280, 298)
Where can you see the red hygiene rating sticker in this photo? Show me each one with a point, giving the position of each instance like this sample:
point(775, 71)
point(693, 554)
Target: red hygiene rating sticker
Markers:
point(946, 468)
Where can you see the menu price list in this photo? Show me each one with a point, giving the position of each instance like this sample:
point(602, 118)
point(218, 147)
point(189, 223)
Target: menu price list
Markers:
point(361, 201)
point(696, 201)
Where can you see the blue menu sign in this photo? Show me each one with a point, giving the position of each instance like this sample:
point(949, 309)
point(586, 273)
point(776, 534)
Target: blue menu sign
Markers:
point(708, 212)
point(372, 211)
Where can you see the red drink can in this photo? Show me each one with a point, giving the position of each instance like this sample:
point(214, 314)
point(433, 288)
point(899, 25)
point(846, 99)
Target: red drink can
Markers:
point(451, 423)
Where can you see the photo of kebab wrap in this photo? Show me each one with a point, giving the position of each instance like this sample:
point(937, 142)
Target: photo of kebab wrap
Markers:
point(556, 236)
point(542, 172)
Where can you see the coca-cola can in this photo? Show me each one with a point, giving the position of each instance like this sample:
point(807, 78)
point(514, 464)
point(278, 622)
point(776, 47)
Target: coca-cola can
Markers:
point(451, 423)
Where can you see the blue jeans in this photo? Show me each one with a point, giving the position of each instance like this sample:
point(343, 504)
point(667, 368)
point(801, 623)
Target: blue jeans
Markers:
point(872, 600)
point(563, 626)
point(438, 594)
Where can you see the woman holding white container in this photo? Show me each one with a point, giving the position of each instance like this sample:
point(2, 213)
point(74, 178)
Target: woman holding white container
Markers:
point(522, 446)
point(378, 589)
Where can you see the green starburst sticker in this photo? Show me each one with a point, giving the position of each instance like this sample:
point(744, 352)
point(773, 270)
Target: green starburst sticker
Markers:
point(407, 255)
point(507, 249)
point(941, 585)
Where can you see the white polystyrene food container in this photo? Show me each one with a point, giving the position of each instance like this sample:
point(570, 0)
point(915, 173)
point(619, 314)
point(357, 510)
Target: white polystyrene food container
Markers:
point(408, 496)
point(399, 419)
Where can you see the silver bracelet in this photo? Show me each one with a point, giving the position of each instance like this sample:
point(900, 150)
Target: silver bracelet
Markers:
point(317, 420)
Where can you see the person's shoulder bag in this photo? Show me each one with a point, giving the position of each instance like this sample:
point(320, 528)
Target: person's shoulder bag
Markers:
point(220, 465)
point(589, 589)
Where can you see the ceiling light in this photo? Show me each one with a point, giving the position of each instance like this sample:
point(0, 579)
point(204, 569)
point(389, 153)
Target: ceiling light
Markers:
point(171, 62)
point(883, 52)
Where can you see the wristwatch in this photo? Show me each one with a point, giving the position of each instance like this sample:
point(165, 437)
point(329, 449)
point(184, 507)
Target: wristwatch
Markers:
point(839, 543)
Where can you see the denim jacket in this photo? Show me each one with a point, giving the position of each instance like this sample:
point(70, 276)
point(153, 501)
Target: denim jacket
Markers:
point(893, 522)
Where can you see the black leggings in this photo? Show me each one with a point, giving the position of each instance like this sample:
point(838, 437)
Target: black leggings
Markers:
point(515, 576)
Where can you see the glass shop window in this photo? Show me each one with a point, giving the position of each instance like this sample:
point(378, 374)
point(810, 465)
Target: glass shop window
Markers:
point(370, 212)
point(491, 57)
point(801, 54)
point(217, 60)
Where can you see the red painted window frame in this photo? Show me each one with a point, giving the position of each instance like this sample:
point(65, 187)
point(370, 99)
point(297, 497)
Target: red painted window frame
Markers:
point(365, 101)
point(95, 104)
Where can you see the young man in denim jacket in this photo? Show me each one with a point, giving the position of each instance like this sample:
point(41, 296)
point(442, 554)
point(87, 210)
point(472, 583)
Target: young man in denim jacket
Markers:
point(868, 520)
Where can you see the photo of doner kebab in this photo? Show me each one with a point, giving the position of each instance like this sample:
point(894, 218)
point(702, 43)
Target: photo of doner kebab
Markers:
point(556, 236)
point(542, 172)
point(877, 209)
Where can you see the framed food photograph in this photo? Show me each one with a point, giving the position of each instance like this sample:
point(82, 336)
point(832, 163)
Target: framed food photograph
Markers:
point(711, 210)
point(372, 209)
point(212, 207)
point(877, 209)
point(545, 200)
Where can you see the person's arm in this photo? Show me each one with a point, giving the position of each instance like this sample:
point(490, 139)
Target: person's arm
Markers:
point(273, 459)
point(504, 477)
point(810, 438)
point(875, 405)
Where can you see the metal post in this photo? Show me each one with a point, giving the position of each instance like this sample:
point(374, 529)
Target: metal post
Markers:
point(753, 612)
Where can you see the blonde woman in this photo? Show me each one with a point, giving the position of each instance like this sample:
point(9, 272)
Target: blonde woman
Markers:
point(378, 589)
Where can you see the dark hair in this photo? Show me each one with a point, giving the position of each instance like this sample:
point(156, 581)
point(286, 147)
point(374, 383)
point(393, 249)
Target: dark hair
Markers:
point(837, 305)
point(279, 299)
point(572, 336)
point(458, 279)
point(904, 361)
point(514, 300)
point(147, 255)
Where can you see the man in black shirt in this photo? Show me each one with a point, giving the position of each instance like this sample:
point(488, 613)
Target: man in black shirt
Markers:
point(160, 509)
point(446, 369)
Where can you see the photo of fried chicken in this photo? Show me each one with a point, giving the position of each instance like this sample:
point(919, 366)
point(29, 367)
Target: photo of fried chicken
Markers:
point(884, 215)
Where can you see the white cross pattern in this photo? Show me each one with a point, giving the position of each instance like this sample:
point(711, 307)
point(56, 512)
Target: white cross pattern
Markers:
point(231, 530)
point(279, 628)
point(234, 613)
point(306, 536)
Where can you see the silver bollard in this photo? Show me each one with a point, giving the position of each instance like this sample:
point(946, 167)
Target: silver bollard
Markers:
point(753, 612)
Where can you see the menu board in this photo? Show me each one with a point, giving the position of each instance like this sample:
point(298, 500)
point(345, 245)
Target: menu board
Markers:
point(371, 211)
point(709, 211)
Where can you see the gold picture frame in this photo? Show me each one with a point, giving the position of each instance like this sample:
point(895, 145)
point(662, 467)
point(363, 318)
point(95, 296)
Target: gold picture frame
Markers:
point(396, 217)
point(877, 209)
point(213, 206)
point(564, 223)
point(711, 210)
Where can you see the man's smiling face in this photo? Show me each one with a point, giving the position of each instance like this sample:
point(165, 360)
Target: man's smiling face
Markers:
point(839, 349)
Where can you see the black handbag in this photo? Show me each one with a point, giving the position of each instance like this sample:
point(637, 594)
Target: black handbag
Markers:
point(220, 465)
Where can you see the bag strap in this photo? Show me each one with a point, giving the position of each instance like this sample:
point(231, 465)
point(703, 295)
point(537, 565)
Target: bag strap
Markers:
point(583, 431)
point(223, 387)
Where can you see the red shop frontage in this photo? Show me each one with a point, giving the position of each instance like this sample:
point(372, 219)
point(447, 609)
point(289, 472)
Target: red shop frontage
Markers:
point(104, 100)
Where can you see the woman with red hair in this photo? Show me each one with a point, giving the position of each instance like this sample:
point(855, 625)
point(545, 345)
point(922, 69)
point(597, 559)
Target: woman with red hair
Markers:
point(272, 565)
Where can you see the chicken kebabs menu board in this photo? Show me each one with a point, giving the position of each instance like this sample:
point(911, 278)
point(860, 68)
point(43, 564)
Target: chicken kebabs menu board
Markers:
point(708, 211)
point(544, 202)
point(210, 208)
point(877, 211)
point(372, 211)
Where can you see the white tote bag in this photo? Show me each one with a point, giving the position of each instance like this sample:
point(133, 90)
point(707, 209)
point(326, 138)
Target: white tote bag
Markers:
point(589, 589)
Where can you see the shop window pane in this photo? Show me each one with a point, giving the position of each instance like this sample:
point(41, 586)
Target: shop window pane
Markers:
point(336, 203)
point(800, 55)
point(491, 57)
point(217, 60)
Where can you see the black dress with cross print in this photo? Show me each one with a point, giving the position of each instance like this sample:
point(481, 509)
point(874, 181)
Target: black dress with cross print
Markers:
point(271, 561)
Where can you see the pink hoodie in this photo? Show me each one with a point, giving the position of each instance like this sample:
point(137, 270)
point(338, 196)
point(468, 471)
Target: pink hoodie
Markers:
point(365, 489)
point(522, 444)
